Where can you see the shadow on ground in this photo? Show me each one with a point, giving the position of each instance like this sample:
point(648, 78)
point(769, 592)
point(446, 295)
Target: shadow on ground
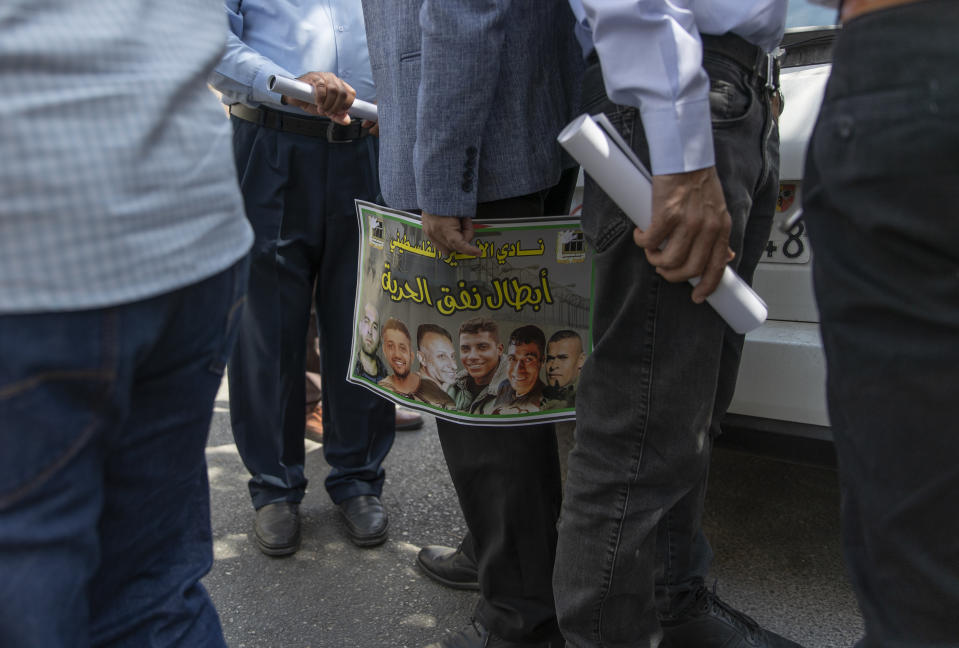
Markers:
point(773, 526)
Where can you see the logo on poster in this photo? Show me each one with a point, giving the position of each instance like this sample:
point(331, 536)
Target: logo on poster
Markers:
point(570, 246)
point(376, 237)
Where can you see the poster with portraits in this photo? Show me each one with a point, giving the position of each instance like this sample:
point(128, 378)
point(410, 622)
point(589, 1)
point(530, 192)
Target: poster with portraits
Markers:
point(493, 339)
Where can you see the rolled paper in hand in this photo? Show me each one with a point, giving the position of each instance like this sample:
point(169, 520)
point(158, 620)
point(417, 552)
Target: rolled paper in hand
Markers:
point(304, 92)
point(614, 167)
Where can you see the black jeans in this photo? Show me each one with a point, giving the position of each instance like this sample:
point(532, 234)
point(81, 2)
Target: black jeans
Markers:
point(881, 174)
point(508, 484)
point(652, 393)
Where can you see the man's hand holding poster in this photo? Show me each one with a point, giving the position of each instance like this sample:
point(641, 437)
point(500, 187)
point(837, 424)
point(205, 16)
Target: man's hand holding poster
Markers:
point(490, 339)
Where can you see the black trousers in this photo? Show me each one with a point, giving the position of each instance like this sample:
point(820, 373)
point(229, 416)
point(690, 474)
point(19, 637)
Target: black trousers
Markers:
point(508, 484)
point(881, 172)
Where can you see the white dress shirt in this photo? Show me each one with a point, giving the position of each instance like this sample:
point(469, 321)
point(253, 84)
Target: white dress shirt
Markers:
point(652, 53)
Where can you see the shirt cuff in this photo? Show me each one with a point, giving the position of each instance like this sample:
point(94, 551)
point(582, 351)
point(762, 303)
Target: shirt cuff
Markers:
point(261, 84)
point(680, 137)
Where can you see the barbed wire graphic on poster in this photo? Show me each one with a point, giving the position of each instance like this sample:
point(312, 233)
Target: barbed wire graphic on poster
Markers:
point(484, 340)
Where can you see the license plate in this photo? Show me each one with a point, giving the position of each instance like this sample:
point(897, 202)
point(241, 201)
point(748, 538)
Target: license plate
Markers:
point(791, 246)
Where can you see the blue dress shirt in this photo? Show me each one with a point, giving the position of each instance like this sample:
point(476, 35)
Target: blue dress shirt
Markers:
point(282, 37)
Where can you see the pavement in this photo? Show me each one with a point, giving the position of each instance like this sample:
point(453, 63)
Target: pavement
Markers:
point(773, 526)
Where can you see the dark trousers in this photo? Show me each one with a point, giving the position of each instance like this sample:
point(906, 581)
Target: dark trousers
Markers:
point(508, 484)
point(313, 384)
point(299, 193)
point(651, 395)
point(881, 176)
point(104, 500)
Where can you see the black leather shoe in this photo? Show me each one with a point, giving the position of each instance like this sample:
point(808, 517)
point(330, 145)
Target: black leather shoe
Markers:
point(277, 528)
point(366, 520)
point(709, 622)
point(477, 636)
point(449, 566)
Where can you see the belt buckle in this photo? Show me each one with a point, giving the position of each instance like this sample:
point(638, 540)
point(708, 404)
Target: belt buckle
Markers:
point(333, 139)
point(772, 59)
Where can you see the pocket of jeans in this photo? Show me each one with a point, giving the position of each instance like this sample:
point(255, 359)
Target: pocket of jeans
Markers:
point(239, 277)
point(855, 135)
point(884, 144)
point(593, 99)
point(602, 220)
point(728, 104)
point(53, 395)
point(731, 98)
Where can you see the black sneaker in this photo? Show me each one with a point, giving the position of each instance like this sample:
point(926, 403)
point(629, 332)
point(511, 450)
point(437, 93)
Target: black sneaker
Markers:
point(709, 622)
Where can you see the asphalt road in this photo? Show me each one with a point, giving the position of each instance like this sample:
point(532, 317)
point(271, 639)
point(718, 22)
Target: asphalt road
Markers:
point(773, 526)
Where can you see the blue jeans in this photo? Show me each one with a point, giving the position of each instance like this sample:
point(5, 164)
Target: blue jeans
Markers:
point(104, 501)
point(653, 391)
point(299, 191)
point(881, 172)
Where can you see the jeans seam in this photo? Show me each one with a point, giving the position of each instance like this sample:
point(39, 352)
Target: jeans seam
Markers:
point(108, 376)
point(649, 353)
point(667, 563)
point(609, 234)
point(51, 376)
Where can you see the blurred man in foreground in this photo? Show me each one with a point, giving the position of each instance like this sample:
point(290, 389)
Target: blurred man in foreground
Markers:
point(122, 280)
point(878, 199)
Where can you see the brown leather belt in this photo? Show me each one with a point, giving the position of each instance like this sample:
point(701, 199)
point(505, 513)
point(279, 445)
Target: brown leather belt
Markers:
point(309, 126)
point(855, 8)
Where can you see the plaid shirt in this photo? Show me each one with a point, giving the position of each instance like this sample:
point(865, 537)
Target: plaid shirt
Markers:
point(117, 180)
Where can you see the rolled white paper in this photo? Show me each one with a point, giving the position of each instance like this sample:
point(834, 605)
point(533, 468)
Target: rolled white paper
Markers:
point(614, 168)
point(304, 92)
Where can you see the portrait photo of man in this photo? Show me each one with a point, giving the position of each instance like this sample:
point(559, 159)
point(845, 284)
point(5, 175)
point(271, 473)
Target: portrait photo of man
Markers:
point(368, 362)
point(437, 358)
point(523, 391)
point(398, 350)
point(564, 359)
point(481, 353)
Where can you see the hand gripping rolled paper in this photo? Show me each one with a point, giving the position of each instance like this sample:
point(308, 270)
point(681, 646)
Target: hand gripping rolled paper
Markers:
point(611, 164)
point(304, 92)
